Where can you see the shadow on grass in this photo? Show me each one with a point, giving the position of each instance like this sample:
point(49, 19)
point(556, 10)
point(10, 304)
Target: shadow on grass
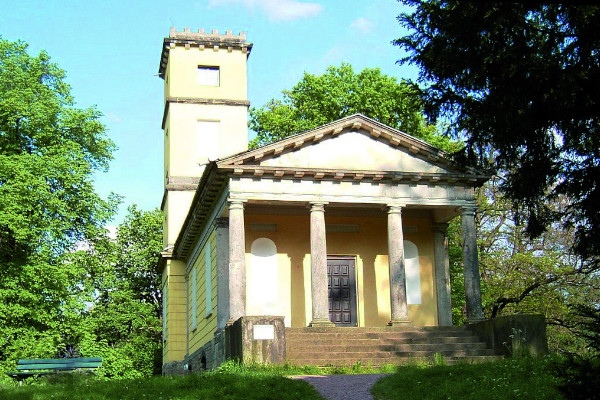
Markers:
point(227, 386)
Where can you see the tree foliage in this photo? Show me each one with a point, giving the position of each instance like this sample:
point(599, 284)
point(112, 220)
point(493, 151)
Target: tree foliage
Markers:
point(122, 320)
point(67, 288)
point(49, 150)
point(339, 92)
point(519, 81)
point(520, 275)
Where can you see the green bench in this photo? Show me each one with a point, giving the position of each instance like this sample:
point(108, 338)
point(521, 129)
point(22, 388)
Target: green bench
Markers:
point(44, 366)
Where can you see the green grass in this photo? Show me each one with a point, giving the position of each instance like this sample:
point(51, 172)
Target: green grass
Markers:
point(249, 384)
point(507, 379)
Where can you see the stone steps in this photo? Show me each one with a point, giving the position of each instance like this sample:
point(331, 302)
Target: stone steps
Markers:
point(378, 362)
point(381, 346)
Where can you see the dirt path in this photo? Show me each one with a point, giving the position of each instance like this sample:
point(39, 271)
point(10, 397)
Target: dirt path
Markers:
point(343, 387)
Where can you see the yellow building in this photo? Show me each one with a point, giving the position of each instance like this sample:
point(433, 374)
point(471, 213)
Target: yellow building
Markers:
point(341, 227)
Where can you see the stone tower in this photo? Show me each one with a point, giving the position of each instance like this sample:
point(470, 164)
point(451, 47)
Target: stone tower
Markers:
point(204, 119)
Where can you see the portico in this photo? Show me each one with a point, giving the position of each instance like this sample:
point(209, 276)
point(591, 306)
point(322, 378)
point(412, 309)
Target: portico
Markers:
point(261, 197)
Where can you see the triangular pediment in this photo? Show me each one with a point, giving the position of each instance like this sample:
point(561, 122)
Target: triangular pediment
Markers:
point(354, 144)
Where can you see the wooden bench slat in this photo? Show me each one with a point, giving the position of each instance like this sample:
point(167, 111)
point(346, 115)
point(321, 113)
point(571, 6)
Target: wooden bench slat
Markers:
point(59, 360)
point(43, 366)
point(57, 366)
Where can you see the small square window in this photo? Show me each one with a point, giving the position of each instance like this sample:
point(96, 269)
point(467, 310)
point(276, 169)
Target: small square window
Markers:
point(208, 76)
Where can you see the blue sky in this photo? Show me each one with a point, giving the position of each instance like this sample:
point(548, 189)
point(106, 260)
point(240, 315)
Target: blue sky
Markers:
point(110, 50)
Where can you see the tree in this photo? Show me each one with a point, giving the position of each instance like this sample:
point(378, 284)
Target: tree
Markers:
point(518, 81)
point(122, 320)
point(49, 150)
point(340, 92)
point(522, 275)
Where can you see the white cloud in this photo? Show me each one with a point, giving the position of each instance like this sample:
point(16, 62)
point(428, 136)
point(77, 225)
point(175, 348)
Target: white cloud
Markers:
point(362, 25)
point(114, 118)
point(276, 10)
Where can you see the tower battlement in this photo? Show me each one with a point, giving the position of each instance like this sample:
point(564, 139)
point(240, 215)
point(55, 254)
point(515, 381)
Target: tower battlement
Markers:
point(202, 40)
point(206, 36)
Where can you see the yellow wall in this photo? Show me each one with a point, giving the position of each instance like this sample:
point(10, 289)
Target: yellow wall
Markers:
point(204, 331)
point(180, 78)
point(268, 284)
point(174, 313)
point(187, 104)
point(184, 153)
point(369, 246)
point(175, 210)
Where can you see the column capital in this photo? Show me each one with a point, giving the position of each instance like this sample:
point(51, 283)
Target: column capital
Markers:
point(236, 203)
point(317, 205)
point(467, 210)
point(395, 208)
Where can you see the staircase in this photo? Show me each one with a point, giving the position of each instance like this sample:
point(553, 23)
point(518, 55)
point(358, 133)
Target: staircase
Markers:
point(383, 346)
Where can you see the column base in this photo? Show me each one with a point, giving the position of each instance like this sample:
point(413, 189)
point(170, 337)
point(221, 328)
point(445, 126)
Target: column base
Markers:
point(399, 322)
point(321, 323)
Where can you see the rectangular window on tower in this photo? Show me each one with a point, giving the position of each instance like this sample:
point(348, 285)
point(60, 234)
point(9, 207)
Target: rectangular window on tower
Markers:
point(208, 75)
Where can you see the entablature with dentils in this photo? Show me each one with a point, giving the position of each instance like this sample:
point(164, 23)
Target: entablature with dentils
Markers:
point(353, 175)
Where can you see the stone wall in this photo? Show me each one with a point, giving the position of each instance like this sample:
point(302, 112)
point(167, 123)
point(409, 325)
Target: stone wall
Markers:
point(514, 335)
point(175, 368)
point(249, 340)
point(254, 340)
point(209, 356)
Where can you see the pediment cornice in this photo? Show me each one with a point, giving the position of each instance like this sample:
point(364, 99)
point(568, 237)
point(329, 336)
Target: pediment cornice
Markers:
point(249, 162)
point(258, 171)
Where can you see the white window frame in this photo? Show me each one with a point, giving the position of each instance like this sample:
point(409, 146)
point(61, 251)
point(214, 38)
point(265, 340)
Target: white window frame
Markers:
point(209, 75)
point(164, 311)
point(194, 299)
point(208, 279)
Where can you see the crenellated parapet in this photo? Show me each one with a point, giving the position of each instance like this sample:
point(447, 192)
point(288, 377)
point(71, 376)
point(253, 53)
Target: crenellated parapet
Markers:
point(201, 35)
point(202, 40)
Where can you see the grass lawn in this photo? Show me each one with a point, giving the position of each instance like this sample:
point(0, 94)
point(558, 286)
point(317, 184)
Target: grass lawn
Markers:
point(507, 379)
point(222, 385)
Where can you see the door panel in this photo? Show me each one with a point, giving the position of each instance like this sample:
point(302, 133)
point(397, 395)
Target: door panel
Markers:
point(341, 282)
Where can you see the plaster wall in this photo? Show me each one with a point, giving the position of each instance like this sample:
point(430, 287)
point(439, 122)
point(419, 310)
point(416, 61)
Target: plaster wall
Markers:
point(186, 152)
point(174, 313)
point(182, 69)
point(366, 153)
point(202, 329)
point(175, 209)
point(368, 245)
point(268, 281)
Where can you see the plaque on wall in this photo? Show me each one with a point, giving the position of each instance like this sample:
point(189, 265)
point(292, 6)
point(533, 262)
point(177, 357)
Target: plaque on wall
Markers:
point(263, 332)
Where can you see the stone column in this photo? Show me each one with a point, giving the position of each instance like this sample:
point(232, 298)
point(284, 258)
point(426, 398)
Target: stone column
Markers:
point(222, 256)
point(237, 257)
point(398, 304)
point(318, 256)
point(442, 274)
point(471, 265)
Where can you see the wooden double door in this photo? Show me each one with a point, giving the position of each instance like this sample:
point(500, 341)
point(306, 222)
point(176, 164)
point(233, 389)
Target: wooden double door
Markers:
point(341, 282)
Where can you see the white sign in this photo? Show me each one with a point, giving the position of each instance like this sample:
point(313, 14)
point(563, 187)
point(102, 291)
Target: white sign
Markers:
point(264, 332)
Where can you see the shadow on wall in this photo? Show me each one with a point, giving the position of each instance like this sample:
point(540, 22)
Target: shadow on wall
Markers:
point(514, 335)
